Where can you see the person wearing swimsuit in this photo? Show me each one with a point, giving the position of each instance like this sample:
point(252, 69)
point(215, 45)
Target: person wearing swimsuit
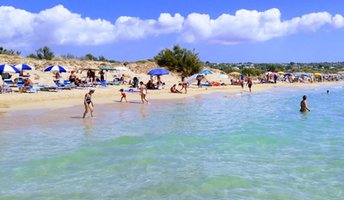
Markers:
point(88, 103)
point(143, 92)
point(249, 83)
point(303, 104)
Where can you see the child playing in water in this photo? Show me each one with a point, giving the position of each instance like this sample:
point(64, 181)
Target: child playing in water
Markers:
point(124, 95)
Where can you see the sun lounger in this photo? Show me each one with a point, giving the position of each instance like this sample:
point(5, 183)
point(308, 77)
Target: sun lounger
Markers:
point(9, 82)
point(47, 88)
point(5, 89)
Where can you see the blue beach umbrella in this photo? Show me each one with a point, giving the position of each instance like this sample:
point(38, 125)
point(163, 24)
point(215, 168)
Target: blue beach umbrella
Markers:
point(55, 68)
point(8, 69)
point(24, 67)
point(206, 71)
point(158, 72)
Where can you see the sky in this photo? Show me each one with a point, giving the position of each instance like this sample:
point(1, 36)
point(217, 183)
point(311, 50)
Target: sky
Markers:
point(263, 31)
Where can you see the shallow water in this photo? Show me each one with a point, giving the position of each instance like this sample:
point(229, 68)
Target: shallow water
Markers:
point(223, 146)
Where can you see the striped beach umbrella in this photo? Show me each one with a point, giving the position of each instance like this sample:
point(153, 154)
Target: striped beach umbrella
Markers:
point(8, 69)
point(56, 68)
point(24, 67)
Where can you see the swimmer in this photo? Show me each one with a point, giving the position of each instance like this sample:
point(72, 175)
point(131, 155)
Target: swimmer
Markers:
point(328, 91)
point(303, 104)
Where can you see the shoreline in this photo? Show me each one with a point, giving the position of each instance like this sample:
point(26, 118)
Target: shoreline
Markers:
point(65, 99)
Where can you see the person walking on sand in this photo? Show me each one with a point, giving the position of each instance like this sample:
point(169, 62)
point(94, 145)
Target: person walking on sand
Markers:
point(249, 83)
point(143, 92)
point(303, 104)
point(184, 86)
point(88, 103)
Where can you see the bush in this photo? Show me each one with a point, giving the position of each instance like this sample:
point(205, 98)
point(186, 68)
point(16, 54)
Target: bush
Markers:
point(180, 60)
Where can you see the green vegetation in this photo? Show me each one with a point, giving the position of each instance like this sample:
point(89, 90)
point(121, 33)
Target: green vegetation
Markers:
point(180, 60)
point(9, 51)
point(42, 54)
point(255, 69)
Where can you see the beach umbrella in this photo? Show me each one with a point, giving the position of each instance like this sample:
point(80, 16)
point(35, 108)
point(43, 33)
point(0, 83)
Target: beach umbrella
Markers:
point(55, 68)
point(121, 69)
point(206, 71)
point(106, 68)
point(317, 74)
point(287, 74)
point(158, 72)
point(280, 73)
point(234, 74)
point(24, 67)
point(8, 69)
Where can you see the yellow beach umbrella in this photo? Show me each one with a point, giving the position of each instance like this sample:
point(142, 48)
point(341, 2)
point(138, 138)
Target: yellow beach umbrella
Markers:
point(280, 73)
point(234, 74)
point(317, 74)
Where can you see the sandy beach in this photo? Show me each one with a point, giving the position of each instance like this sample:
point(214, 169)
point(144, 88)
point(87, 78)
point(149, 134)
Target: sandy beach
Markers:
point(68, 98)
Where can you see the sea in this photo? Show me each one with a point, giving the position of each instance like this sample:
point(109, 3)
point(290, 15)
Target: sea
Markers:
point(214, 146)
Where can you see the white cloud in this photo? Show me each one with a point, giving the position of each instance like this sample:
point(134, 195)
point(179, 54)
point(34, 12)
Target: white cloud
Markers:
point(127, 28)
point(338, 21)
point(59, 26)
point(252, 26)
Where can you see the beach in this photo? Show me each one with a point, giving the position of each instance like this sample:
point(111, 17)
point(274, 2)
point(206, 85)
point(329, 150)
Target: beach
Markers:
point(111, 94)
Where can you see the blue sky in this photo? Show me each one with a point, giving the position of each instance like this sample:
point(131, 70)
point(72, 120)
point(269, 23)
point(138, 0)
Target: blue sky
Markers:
point(219, 30)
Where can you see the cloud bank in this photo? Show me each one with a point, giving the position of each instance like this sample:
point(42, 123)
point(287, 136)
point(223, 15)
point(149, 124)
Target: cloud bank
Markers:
point(59, 26)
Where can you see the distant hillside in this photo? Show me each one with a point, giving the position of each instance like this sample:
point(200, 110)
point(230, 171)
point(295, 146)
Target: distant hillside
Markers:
point(74, 64)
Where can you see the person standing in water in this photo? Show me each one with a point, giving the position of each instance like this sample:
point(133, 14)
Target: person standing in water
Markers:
point(249, 83)
point(88, 103)
point(143, 92)
point(303, 104)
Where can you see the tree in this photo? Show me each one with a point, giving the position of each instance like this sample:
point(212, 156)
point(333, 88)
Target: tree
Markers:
point(102, 58)
point(90, 57)
point(180, 60)
point(44, 53)
point(9, 51)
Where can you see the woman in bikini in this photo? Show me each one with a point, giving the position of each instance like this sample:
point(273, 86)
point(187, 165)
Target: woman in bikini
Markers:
point(88, 103)
point(143, 92)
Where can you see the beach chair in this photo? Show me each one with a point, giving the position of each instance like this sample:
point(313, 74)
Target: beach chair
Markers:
point(103, 83)
point(62, 86)
point(9, 82)
point(5, 89)
point(47, 88)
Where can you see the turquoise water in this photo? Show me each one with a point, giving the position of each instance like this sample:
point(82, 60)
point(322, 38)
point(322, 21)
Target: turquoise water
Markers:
point(208, 147)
